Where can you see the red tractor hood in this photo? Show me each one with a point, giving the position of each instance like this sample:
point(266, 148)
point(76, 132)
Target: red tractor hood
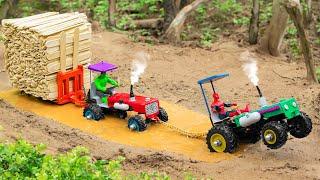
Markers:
point(137, 105)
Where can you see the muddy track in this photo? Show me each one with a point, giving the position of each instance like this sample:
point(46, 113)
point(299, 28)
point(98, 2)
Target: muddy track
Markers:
point(60, 138)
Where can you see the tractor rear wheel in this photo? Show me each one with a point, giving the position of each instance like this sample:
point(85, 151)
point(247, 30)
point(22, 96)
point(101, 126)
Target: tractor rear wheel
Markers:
point(301, 126)
point(94, 112)
point(136, 123)
point(221, 138)
point(163, 116)
point(274, 134)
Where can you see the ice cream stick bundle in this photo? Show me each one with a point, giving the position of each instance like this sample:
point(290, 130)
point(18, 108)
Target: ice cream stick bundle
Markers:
point(38, 47)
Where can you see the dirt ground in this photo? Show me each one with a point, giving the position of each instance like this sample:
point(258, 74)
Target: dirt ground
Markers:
point(172, 75)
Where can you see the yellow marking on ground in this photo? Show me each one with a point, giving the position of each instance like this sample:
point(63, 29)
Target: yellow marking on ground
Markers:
point(157, 136)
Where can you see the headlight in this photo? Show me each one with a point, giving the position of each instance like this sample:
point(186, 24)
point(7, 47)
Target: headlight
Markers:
point(294, 104)
point(152, 108)
point(286, 107)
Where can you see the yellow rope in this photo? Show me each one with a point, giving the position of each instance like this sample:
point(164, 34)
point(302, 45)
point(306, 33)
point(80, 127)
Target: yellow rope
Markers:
point(200, 135)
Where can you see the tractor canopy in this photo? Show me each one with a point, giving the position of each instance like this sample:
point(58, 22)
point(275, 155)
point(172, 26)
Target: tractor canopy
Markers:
point(102, 67)
point(212, 78)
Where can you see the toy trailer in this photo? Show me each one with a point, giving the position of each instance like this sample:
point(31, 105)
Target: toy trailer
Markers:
point(271, 123)
point(121, 103)
point(45, 55)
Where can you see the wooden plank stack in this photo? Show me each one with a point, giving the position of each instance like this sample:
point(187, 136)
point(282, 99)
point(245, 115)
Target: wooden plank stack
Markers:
point(39, 46)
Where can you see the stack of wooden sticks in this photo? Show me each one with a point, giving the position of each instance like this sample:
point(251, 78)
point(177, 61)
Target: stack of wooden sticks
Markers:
point(38, 47)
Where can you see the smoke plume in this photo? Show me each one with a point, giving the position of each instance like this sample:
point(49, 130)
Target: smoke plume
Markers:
point(250, 67)
point(138, 66)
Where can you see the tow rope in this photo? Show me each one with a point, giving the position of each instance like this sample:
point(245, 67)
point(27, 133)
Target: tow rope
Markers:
point(196, 135)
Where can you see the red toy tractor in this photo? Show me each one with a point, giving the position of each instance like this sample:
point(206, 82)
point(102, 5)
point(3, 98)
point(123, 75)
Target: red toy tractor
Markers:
point(121, 103)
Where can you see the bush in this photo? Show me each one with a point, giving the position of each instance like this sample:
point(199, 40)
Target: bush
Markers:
point(21, 160)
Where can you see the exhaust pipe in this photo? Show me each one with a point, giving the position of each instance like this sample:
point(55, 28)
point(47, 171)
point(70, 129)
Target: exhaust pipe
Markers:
point(259, 91)
point(132, 98)
point(262, 100)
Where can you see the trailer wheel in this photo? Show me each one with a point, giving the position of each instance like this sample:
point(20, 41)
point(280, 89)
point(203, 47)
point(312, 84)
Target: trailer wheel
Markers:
point(94, 112)
point(136, 123)
point(221, 138)
point(274, 134)
point(301, 126)
point(163, 116)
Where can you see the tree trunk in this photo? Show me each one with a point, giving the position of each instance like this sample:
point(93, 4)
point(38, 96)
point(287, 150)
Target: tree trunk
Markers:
point(171, 9)
point(275, 31)
point(170, 12)
point(254, 23)
point(4, 9)
point(174, 30)
point(111, 12)
point(293, 8)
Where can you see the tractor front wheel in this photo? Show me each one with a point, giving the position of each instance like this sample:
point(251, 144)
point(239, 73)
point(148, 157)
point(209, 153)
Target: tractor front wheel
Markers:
point(136, 123)
point(221, 138)
point(94, 112)
point(301, 126)
point(274, 134)
point(163, 116)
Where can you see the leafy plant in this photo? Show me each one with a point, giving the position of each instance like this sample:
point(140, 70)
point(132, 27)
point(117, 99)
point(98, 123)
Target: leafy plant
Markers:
point(228, 6)
point(266, 11)
point(201, 13)
point(241, 21)
point(21, 160)
point(208, 36)
point(293, 42)
point(125, 22)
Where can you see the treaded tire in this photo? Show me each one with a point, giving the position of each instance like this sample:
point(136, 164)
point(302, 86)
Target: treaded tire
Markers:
point(163, 115)
point(227, 133)
point(138, 123)
point(301, 126)
point(280, 131)
point(94, 111)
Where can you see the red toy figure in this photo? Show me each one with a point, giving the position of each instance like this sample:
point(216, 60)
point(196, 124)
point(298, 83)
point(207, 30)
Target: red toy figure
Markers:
point(219, 107)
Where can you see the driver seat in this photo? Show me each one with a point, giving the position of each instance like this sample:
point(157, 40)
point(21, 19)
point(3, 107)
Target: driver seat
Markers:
point(94, 95)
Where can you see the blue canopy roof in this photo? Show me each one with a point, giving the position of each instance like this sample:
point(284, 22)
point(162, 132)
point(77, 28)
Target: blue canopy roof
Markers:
point(213, 78)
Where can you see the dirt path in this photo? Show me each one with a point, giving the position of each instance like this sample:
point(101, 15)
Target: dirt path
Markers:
point(171, 75)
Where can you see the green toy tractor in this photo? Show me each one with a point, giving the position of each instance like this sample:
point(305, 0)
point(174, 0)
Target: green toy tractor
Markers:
point(272, 123)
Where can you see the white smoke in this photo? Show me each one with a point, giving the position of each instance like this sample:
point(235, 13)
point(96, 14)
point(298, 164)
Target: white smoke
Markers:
point(138, 66)
point(250, 67)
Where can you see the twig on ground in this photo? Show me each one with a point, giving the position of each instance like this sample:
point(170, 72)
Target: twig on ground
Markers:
point(283, 76)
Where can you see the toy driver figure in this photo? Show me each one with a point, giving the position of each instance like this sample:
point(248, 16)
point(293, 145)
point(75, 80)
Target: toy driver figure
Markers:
point(101, 83)
point(219, 107)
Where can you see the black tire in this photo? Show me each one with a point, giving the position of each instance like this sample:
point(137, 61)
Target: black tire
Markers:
point(136, 123)
point(163, 115)
point(94, 112)
point(122, 114)
point(278, 134)
point(229, 142)
point(88, 99)
point(301, 126)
